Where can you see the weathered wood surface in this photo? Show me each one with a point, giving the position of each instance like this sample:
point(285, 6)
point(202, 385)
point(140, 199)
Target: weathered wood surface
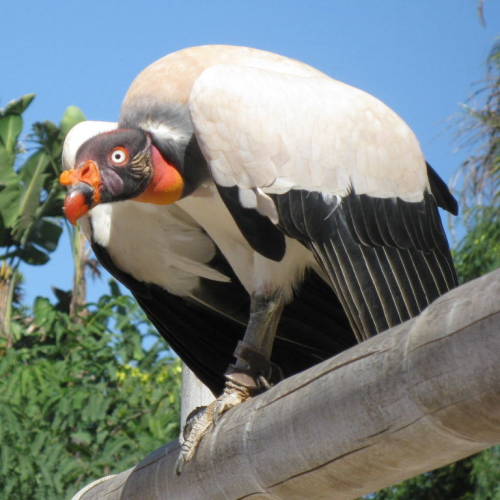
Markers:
point(419, 396)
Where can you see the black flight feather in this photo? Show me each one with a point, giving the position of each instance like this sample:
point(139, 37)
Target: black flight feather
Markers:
point(386, 258)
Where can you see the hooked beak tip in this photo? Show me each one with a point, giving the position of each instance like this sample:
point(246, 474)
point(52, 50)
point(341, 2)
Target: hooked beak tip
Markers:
point(76, 206)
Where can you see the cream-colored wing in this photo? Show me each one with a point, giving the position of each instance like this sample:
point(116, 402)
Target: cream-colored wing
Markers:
point(261, 129)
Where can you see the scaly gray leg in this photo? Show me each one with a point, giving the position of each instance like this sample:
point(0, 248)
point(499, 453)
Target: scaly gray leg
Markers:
point(252, 373)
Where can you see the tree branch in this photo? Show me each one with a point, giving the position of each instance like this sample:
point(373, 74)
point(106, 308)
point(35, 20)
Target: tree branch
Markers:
point(414, 398)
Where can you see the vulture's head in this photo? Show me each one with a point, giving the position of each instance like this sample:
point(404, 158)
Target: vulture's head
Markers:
point(120, 164)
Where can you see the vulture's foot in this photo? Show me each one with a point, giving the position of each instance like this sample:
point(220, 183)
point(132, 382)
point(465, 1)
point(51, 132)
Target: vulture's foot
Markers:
point(201, 420)
point(251, 375)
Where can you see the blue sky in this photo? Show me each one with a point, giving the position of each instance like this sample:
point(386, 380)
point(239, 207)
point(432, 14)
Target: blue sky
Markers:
point(420, 57)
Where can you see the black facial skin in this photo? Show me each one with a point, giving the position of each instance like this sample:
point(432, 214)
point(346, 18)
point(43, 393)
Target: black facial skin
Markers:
point(125, 181)
point(129, 180)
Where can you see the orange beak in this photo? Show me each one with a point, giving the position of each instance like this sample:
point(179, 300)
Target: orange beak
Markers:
point(85, 190)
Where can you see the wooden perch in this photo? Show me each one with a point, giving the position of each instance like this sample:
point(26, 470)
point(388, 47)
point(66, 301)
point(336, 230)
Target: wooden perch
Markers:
point(418, 396)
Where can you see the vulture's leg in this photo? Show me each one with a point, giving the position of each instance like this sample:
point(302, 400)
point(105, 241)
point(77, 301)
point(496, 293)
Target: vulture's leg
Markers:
point(252, 373)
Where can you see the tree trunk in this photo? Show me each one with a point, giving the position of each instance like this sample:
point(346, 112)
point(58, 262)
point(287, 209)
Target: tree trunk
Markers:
point(194, 394)
point(79, 294)
point(8, 278)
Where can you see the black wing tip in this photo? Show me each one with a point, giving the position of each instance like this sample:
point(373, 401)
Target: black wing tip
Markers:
point(454, 210)
point(441, 192)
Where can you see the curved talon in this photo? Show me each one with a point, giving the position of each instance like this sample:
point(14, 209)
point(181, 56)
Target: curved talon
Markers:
point(263, 382)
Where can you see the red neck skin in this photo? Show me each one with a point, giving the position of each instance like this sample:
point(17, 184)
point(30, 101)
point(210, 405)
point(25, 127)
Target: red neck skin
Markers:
point(166, 185)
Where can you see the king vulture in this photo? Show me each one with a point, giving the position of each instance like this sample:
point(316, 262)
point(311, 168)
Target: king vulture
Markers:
point(188, 290)
point(285, 171)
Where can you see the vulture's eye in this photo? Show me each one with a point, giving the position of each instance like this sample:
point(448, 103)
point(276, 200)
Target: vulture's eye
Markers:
point(119, 156)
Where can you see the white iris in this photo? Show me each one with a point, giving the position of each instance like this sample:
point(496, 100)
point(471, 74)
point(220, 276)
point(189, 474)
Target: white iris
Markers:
point(118, 156)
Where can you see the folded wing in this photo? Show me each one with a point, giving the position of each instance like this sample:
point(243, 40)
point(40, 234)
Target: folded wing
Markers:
point(335, 168)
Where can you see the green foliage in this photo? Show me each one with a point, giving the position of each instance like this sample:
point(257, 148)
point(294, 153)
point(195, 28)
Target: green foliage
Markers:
point(453, 482)
point(479, 251)
point(486, 474)
point(30, 195)
point(474, 478)
point(81, 397)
